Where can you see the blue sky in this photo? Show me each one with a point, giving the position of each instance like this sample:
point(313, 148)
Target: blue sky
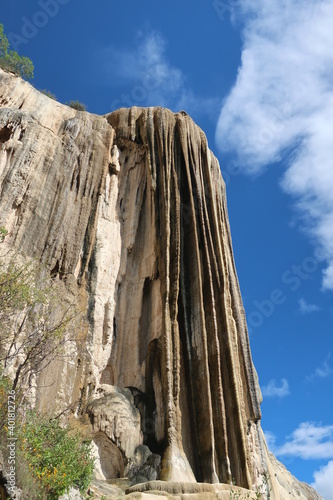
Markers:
point(257, 77)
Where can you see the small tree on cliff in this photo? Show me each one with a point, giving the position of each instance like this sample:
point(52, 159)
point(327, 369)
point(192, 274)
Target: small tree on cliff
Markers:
point(10, 60)
point(35, 324)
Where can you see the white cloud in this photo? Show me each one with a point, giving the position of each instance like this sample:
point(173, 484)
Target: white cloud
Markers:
point(281, 106)
point(309, 441)
point(323, 371)
point(272, 389)
point(153, 79)
point(323, 481)
point(305, 308)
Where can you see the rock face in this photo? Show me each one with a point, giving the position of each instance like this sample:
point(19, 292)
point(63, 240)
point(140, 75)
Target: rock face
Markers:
point(117, 427)
point(128, 212)
point(182, 333)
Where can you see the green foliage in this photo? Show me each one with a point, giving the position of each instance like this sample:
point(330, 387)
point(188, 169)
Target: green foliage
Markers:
point(35, 326)
point(17, 289)
point(10, 60)
point(26, 482)
point(79, 106)
point(48, 94)
point(50, 459)
point(3, 233)
point(4, 44)
point(57, 457)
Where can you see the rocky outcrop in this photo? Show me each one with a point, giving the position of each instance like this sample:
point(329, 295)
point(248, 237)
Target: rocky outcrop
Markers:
point(128, 212)
point(290, 487)
point(117, 429)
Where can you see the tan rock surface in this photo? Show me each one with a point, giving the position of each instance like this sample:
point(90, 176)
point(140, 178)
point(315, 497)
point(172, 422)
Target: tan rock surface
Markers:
point(128, 212)
point(200, 369)
point(117, 426)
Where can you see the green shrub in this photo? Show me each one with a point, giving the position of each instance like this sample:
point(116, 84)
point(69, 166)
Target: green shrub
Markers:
point(35, 324)
point(3, 233)
point(49, 94)
point(31, 489)
point(50, 459)
point(79, 106)
point(57, 457)
point(10, 60)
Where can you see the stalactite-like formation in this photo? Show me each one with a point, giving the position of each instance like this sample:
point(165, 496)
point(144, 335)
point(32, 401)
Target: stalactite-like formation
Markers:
point(209, 398)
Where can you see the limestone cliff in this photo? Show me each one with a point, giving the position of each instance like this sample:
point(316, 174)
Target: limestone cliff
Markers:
point(128, 212)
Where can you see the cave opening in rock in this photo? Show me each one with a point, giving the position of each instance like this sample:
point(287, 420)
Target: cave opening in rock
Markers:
point(5, 134)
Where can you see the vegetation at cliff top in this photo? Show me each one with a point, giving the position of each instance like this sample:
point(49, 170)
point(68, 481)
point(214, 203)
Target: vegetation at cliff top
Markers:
point(23, 66)
point(49, 94)
point(79, 106)
point(10, 60)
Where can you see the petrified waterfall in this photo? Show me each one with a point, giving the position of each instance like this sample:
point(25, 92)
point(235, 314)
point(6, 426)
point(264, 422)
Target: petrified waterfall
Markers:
point(128, 213)
point(187, 349)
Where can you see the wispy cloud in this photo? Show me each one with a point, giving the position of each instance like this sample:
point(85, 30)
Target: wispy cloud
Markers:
point(323, 371)
point(305, 308)
point(323, 481)
point(146, 59)
point(273, 389)
point(152, 79)
point(281, 106)
point(309, 441)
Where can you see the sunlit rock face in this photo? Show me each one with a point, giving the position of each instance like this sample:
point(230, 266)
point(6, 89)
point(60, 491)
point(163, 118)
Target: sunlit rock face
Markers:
point(128, 212)
point(182, 334)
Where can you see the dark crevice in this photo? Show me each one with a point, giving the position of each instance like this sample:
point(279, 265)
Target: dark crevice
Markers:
point(72, 181)
point(55, 270)
point(85, 188)
point(62, 270)
point(105, 324)
point(145, 319)
point(5, 134)
point(112, 169)
point(192, 423)
point(91, 268)
point(78, 182)
point(148, 419)
point(114, 328)
point(138, 138)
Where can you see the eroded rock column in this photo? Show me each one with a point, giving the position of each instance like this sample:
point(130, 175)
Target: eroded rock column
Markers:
point(203, 394)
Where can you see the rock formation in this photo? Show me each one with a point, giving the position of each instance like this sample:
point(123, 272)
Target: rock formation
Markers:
point(128, 212)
